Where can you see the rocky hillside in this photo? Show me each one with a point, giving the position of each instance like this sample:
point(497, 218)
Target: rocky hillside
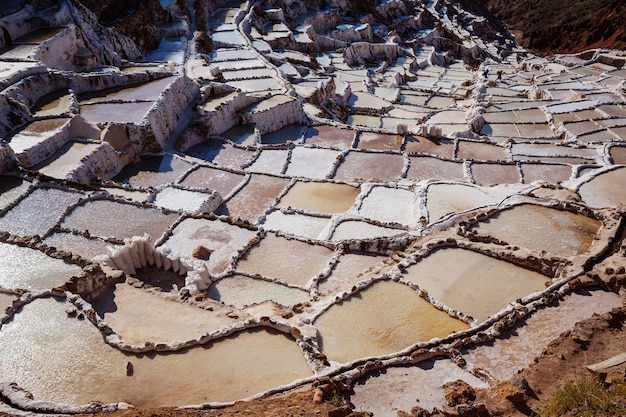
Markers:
point(563, 26)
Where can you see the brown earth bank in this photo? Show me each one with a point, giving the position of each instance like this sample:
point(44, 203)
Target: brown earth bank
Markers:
point(563, 26)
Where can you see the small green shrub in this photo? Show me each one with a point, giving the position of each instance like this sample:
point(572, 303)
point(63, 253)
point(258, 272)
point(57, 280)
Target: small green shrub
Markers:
point(586, 397)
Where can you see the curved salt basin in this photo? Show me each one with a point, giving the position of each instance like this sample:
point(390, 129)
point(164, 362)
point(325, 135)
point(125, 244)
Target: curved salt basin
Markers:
point(68, 363)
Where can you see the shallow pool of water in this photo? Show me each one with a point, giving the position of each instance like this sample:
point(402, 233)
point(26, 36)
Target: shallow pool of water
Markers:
point(473, 283)
point(526, 225)
point(254, 198)
point(120, 221)
point(38, 212)
point(311, 162)
point(115, 112)
point(387, 204)
point(365, 165)
point(330, 137)
point(22, 267)
point(37, 345)
point(351, 268)
point(139, 316)
point(503, 358)
point(65, 161)
point(241, 291)
point(381, 319)
point(296, 224)
point(444, 199)
point(221, 153)
point(152, 171)
point(213, 179)
point(79, 245)
point(600, 191)
point(424, 167)
point(354, 229)
point(292, 261)
point(322, 197)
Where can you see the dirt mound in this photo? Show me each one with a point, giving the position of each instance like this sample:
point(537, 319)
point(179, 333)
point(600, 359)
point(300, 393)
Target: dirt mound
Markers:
point(548, 26)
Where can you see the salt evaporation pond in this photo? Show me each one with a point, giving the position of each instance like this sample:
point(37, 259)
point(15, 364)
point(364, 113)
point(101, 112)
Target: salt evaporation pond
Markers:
point(473, 283)
point(351, 269)
point(601, 190)
point(138, 316)
point(123, 220)
point(321, 197)
point(382, 319)
point(10, 189)
point(526, 225)
point(444, 199)
point(30, 269)
point(272, 258)
point(66, 160)
point(241, 291)
point(38, 212)
point(43, 338)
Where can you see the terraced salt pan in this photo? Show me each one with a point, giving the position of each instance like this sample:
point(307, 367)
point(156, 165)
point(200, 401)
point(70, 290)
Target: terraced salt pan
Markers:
point(54, 104)
point(132, 195)
point(22, 267)
point(222, 239)
point(78, 245)
point(422, 145)
point(389, 205)
point(526, 225)
point(241, 134)
point(480, 151)
point(351, 269)
point(149, 91)
point(354, 229)
point(241, 291)
point(301, 225)
point(489, 174)
point(273, 256)
point(518, 346)
point(115, 112)
point(42, 338)
point(66, 160)
point(38, 212)
point(444, 199)
point(287, 133)
point(424, 168)
point(384, 318)
point(254, 198)
point(379, 141)
point(35, 133)
point(473, 283)
point(121, 221)
point(549, 173)
point(190, 201)
point(363, 120)
point(221, 154)
point(10, 189)
point(152, 171)
point(312, 163)
point(213, 178)
point(257, 84)
point(364, 165)
point(270, 161)
point(138, 316)
point(321, 197)
point(329, 136)
point(403, 388)
point(600, 191)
